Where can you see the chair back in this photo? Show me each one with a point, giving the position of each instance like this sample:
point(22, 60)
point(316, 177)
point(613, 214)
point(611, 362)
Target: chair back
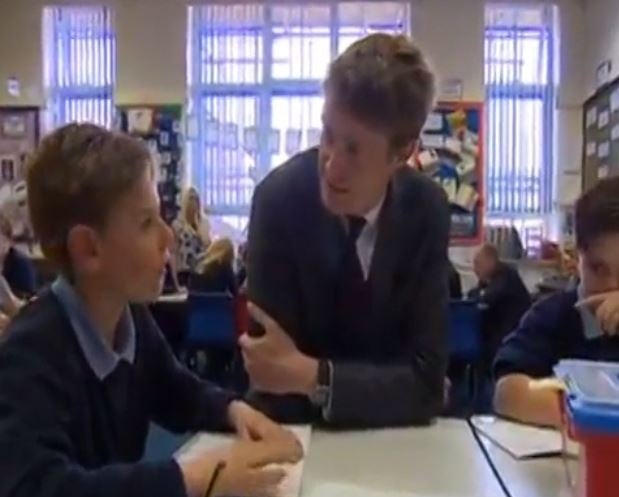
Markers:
point(211, 320)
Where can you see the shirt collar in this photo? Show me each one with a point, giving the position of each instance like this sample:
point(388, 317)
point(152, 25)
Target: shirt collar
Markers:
point(100, 357)
point(371, 216)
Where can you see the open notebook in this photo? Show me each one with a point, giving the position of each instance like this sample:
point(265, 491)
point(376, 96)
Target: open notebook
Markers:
point(522, 441)
point(291, 485)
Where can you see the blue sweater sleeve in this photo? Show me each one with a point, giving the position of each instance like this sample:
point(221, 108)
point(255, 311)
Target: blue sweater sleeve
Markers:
point(532, 348)
point(37, 457)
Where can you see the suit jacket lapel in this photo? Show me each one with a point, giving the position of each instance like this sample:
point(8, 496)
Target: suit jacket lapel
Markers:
point(323, 247)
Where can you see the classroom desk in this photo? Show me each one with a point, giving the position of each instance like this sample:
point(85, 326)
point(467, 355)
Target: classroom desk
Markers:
point(173, 298)
point(541, 477)
point(440, 461)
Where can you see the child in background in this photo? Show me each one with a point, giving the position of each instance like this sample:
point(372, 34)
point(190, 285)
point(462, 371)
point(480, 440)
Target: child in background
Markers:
point(84, 369)
point(17, 268)
point(192, 232)
point(582, 323)
point(216, 271)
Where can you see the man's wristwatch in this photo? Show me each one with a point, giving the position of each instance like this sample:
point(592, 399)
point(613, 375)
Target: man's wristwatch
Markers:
point(320, 396)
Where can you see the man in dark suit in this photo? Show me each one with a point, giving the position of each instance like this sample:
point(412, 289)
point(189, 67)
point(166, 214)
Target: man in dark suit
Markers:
point(347, 269)
point(503, 295)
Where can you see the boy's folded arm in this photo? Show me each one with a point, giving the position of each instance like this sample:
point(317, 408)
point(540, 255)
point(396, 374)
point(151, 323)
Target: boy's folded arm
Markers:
point(182, 401)
point(35, 471)
point(37, 456)
point(529, 400)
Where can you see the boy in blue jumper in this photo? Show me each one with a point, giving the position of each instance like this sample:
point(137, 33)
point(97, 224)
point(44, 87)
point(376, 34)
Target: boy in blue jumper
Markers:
point(84, 368)
point(579, 324)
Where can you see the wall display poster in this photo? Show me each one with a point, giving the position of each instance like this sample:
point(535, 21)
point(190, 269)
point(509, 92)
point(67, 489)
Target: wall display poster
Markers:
point(600, 155)
point(451, 153)
point(159, 126)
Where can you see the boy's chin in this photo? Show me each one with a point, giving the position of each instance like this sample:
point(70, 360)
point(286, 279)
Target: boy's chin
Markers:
point(146, 296)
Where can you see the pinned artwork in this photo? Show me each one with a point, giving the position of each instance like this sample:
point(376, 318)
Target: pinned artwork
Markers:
point(139, 120)
point(452, 155)
point(159, 126)
point(8, 164)
point(14, 126)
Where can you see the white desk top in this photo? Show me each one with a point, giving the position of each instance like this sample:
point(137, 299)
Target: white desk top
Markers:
point(543, 477)
point(173, 298)
point(440, 461)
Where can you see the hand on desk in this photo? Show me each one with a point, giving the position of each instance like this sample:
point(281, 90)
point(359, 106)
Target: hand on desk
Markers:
point(247, 472)
point(273, 362)
point(251, 424)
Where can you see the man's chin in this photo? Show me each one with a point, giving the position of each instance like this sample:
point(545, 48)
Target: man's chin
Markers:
point(334, 203)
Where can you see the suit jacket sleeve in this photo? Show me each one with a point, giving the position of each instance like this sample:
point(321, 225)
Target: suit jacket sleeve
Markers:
point(271, 285)
point(408, 390)
point(270, 281)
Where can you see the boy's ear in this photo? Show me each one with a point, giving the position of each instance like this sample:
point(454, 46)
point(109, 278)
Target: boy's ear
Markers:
point(83, 249)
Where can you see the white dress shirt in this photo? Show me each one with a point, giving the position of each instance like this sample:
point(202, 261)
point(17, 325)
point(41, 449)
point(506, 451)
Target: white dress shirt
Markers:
point(367, 238)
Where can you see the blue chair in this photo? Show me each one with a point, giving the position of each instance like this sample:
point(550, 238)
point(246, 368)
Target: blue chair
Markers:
point(465, 331)
point(210, 334)
point(465, 343)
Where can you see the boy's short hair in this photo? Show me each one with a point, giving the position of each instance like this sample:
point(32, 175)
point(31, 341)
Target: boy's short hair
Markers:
point(385, 81)
point(75, 177)
point(597, 212)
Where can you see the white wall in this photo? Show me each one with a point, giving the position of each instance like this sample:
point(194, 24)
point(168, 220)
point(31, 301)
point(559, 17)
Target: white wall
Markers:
point(602, 43)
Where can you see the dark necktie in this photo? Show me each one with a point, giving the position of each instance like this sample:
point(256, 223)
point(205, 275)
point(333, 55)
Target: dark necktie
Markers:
point(352, 271)
point(352, 294)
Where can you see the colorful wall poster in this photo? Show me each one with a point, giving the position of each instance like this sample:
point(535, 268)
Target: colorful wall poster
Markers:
point(451, 153)
point(159, 126)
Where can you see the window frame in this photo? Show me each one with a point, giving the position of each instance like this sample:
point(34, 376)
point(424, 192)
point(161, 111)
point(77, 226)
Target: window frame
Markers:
point(515, 91)
point(61, 92)
point(264, 90)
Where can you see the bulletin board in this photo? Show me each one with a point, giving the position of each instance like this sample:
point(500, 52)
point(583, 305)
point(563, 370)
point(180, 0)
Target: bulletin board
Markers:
point(601, 135)
point(451, 153)
point(19, 136)
point(159, 126)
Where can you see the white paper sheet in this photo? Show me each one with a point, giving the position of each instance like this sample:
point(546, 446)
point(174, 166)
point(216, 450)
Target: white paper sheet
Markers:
point(290, 486)
point(603, 119)
point(434, 122)
point(592, 148)
point(139, 120)
point(337, 489)
point(429, 140)
point(522, 441)
point(592, 116)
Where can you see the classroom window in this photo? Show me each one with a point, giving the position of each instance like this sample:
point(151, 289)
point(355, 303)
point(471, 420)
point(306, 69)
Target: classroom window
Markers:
point(519, 74)
point(255, 76)
point(79, 65)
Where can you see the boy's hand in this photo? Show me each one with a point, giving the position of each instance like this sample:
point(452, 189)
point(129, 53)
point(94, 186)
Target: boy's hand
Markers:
point(605, 306)
point(247, 471)
point(253, 468)
point(250, 424)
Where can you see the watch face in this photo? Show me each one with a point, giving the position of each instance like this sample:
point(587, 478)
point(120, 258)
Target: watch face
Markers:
point(320, 396)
